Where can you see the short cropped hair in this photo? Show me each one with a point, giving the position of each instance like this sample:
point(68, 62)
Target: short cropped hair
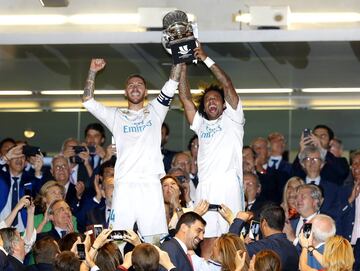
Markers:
point(45, 250)
point(97, 127)
point(327, 128)
point(315, 191)
point(67, 261)
point(189, 219)
point(274, 216)
point(135, 75)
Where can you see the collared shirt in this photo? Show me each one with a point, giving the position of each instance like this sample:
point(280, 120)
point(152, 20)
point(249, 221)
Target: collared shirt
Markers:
point(300, 226)
point(313, 181)
point(272, 160)
point(7, 208)
point(182, 244)
point(59, 230)
point(3, 250)
point(67, 187)
point(74, 174)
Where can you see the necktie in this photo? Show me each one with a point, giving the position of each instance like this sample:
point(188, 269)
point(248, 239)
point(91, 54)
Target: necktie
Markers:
point(274, 163)
point(92, 160)
point(63, 233)
point(107, 216)
point(190, 260)
point(312, 182)
point(14, 198)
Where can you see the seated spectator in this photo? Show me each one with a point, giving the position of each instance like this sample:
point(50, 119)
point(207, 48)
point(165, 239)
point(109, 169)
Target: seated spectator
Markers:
point(252, 190)
point(266, 260)
point(348, 223)
point(108, 257)
point(183, 160)
point(272, 220)
point(189, 233)
point(44, 251)
point(49, 192)
point(183, 179)
point(61, 219)
point(323, 227)
point(14, 246)
point(80, 167)
point(308, 201)
point(60, 169)
point(101, 213)
point(338, 255)
point(312, 160)
point(289, 197)
point(12, 187)
point(335, 169)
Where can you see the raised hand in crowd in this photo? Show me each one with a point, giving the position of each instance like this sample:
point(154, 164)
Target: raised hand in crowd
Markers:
point(132, 238)
point(80, 188)
point(109, 152)
point(354, 193)
point(240, 260)
point(24, 202)
point(14, 152)
point(202, 207)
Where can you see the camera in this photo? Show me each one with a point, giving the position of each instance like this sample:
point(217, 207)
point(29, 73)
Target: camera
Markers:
point(29, 151)
point(78, 149)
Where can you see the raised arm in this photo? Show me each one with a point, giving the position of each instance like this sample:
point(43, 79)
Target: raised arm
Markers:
point(230, 94)
point(96, 65)
point(185, 96)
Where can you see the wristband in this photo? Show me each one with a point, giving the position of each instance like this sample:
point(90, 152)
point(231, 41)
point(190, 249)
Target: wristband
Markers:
point(209, 62)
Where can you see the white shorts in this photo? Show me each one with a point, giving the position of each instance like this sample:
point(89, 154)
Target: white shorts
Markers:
point(139, 202)
point(225, 189)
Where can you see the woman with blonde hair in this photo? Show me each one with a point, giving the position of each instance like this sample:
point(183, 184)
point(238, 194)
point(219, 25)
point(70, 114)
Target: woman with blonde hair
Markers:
point(338, 255)
point(289, 197)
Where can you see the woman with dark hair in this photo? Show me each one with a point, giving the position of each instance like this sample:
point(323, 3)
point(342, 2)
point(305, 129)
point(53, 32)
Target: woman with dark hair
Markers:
point(67, 261)
point(108, 257)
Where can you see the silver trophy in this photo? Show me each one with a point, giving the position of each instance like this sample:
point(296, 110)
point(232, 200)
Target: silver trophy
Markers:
point(178, 36)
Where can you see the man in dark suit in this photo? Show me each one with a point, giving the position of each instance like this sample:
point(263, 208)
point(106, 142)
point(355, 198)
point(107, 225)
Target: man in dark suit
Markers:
point(308, 201)
point(347, 223)
point(12, 186)
point(252, 190)
point(61, 217)
point(312, 160)
point(167, 154)
point(15, 248)
point(44, 251)
point(189, 233)
point(335, 169)
point(60, 169)
point(272, 220)
point(100, 214)
point(3, 256)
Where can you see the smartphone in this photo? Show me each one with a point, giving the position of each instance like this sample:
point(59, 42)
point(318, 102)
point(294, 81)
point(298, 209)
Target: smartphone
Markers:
point(30, 150)
point(28, 190)
point(98, 228)
point(254, 230)
point(81, 251)
point(307, 230)
point(307, 132)
point(214, 207)
point(78, 149)
point(117, 234)
point(92, 149)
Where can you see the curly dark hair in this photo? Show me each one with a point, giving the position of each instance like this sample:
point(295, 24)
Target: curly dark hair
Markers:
point(212, 87)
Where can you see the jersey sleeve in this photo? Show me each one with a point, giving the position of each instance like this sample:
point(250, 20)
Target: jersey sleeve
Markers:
point(236, 115)
point(103, 113)
point(162, 102)
point(196, 124)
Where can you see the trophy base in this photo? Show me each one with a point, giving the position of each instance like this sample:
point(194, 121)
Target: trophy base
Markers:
point(183, 50)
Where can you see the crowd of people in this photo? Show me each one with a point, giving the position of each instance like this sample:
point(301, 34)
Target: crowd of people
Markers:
point(218, 205)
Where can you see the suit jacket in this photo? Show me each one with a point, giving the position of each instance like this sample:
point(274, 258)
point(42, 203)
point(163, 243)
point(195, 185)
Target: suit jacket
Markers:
point(15, 264)
point(3, 260)
point(53, 233)
point(279, 244)
point(168, 155)
point(40, 267)
point(331, 202)
point(335, 169)
point(5, 185)
point(346, 219)
point(177, 255)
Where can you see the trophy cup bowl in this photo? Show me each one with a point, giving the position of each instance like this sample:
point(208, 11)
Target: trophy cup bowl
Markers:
point(178, 38)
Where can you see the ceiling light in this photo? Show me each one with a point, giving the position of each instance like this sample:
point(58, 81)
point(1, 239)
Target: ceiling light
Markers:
point(15, 92)
point(29, 133)
point(104, 19)
point(32, 19)
point(54, 3)
point(62, 92)
point(7, 105)
point(264, 90)
point(330, 90)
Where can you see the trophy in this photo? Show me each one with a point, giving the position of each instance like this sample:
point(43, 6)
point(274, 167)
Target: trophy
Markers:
point(178, 36)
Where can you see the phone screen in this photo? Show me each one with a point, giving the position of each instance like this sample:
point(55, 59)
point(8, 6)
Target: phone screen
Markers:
point(28, 190)
point(81, 251)
point(307, 230)
point(214, 207)
point(117, 234)
point(254, 229)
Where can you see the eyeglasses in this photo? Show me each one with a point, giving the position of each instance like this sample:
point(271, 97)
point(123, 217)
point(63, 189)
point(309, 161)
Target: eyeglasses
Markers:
point(312, 159)
point(62, 209)
point(60, 167)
